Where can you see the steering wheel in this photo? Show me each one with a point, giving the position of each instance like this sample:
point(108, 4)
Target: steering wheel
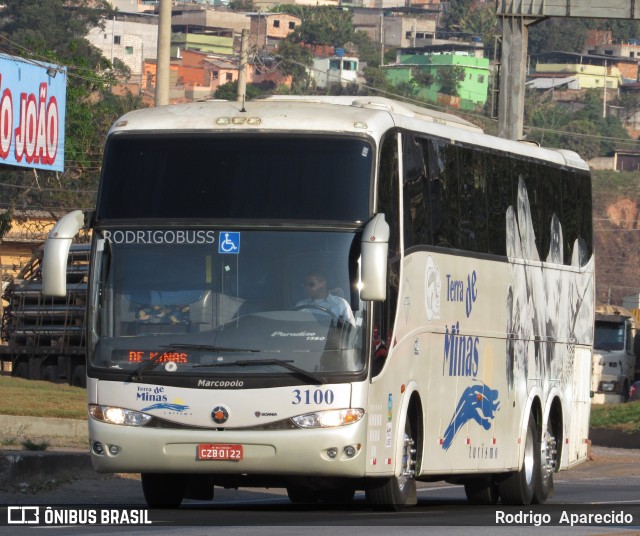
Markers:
point(317, 307)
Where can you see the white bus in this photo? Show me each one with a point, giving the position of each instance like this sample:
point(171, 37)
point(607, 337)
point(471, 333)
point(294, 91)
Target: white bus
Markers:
point(331, 295)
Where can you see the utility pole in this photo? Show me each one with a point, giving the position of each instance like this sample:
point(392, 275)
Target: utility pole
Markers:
point(381, 37)
point(242, 71)
point(604, 98)
point(164, 58)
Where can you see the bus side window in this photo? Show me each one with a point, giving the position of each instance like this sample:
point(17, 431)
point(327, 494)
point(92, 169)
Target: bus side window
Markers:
point(417, 216)
point(443, 194)
point(384, 313)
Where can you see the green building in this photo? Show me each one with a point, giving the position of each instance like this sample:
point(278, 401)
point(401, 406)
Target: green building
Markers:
point(474, 89)
point(211, 44)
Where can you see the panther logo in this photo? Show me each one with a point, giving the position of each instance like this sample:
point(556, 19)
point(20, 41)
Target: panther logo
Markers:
point(478, 402)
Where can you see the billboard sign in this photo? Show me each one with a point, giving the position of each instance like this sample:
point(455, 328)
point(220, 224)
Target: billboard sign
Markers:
point(32, 113)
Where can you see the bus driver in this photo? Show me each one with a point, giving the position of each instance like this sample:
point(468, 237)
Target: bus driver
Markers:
point(319, 297)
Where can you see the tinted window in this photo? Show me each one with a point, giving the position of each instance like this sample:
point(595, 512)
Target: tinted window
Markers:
point(189, 176)
point(458, 196)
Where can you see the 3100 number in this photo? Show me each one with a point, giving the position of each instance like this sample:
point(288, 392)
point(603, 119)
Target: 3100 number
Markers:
point(313, 396)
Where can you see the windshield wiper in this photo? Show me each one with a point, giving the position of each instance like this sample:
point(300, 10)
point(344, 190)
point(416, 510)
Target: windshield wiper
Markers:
point(145, 365)
point(207, 348)
point(280, 362)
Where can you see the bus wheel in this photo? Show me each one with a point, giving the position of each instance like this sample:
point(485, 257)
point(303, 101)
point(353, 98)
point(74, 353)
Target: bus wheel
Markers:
point(481, 491)
point(79, 376)
point(625, 391)
point(396, 492)
point(519, 487)
point(548, 465)
point(21, 370)
point(341, 495)
point(163, 490)
point(303, 495)
point(50, 373)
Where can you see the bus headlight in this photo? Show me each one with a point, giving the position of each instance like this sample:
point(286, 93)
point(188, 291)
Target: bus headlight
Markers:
point(329, 418)
point(113, 415)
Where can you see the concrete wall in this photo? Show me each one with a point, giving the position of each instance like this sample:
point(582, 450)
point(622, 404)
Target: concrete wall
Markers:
point(129, 41)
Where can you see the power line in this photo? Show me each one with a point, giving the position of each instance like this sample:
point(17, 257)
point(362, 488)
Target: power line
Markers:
point(45, 189)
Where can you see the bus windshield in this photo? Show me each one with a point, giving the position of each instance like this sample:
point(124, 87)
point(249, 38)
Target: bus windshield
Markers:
point(317, 178)
point(171, 301)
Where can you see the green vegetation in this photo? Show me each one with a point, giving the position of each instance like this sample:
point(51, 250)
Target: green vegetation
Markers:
point(624, 417)
point(30, 444)
point(54, 32)
point(41, 399)
point(616, 184)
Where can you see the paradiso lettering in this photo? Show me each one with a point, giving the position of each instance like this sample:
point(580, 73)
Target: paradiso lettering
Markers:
point(35, 138)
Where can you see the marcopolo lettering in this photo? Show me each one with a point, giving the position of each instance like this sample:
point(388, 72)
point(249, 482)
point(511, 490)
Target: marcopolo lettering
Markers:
point(222, 384)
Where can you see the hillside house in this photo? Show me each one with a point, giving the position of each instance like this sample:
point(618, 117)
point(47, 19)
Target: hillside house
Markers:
point(130, 38)
point(335, 69)
point(474, 89)
point(586, 71)
point(269, 29)
point(395, 28)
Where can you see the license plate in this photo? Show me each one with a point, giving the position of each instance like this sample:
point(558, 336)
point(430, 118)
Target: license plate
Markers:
point(232, 453)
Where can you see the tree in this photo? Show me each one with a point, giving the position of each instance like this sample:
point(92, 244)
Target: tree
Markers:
point(5, 223)
point(450, 78)
point(321, 26)
point(229, 91)
point(324, 26)
point(295, 59)
point(480, 20)
point(579, 137)
point(242, 5)
point(54, 31)
point(422, 77)
point(565, 34)
point(456, 14)
point(376, 78)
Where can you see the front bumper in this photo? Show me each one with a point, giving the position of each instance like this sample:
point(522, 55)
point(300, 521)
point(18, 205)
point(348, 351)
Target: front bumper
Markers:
point(282, 452)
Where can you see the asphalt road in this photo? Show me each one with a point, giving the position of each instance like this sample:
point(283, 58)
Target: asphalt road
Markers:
point(609, 483)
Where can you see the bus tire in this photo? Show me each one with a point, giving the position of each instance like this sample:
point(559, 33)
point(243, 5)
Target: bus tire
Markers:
point(21, 370)
point(50, 373)
point(79, 376)
point(303, 495)
point(341, 495)
point(520, 486)
point(625, 391)
point(396, 492)
point(548, 465)
point(163, 490)
point(482, 491)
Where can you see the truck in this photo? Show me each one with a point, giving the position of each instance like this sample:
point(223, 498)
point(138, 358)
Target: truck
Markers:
point(616, 347)
point(44, 337)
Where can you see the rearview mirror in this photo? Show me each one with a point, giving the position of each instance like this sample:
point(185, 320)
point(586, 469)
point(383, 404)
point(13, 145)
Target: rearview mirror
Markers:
point(373, 260)
point(56, 253)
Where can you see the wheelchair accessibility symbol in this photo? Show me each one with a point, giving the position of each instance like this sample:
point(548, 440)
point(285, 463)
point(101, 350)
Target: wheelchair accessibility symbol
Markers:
point(229, 243)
